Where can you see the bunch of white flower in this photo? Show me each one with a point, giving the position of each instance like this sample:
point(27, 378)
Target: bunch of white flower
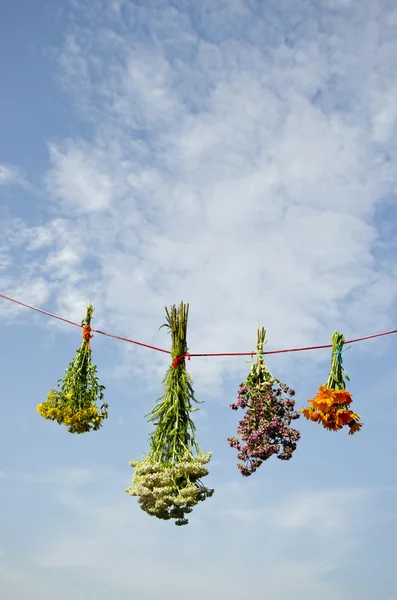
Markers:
point(170, 492)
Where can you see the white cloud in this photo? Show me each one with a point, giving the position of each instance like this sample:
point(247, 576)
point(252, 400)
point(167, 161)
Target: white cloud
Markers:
point(8, 175)
point(309, 538)
point(77, 177)
point(230, 167)
point(310, 518)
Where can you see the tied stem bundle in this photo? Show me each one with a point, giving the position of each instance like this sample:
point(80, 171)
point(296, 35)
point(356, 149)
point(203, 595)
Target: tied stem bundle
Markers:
point(167, 481)
point(330, 406)
point(73, 402)
point(265, 430)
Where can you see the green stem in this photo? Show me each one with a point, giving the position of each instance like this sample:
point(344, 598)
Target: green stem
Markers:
point(174, 432)
point(336, 376)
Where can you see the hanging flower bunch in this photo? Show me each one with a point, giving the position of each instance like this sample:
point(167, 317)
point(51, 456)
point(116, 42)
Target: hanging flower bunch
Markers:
point(265, 430)
point(330, 407)
point(74, 401)
point(167, 481)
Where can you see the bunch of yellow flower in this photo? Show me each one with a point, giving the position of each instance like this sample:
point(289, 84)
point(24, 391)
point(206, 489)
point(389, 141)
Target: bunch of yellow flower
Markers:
point(73, 404)
point(330, 406)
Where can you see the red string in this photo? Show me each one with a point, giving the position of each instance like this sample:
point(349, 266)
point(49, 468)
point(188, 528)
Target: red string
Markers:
point(117, 337)
point(178, 358)
point(87, 335)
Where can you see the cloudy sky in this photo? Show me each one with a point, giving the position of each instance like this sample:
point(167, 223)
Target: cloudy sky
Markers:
point(238, 155)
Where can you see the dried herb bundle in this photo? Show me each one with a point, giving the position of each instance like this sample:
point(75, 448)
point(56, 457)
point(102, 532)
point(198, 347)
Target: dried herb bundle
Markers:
point(330, 406)
point(167, 481)
point(73, 402)
point(265, 429)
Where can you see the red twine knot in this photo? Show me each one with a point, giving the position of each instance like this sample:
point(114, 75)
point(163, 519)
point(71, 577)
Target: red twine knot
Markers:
point(179, 359)
point(87, 335)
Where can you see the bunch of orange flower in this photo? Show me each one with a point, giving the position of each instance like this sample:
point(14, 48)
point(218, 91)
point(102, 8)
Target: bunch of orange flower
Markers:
point(330, 406)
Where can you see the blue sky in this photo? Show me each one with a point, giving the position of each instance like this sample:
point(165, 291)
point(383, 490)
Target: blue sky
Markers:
point(239, 155)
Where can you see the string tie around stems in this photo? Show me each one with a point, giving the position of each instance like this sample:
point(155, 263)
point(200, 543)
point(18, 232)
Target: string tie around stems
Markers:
point(179, 359)
point(87, 335)
point(339, 351)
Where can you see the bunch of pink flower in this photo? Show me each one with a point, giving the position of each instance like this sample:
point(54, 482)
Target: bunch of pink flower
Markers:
point(265, 430)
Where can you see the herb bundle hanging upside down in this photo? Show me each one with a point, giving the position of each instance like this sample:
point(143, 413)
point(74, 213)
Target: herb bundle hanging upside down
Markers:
point(74, 402)
point(331, 405)
point(265, 430)
point(167, 481)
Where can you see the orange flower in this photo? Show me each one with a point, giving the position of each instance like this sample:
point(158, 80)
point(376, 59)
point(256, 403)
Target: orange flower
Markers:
point(342, 397)
point(330, 423)
point(323, 400)
point(320, 404)
point(317, 416)
point(330, 408)
point(354, 426)
point(311, 414)
point(355, 416)
point(343, 416)
point(327, 397)
point(325, 391)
